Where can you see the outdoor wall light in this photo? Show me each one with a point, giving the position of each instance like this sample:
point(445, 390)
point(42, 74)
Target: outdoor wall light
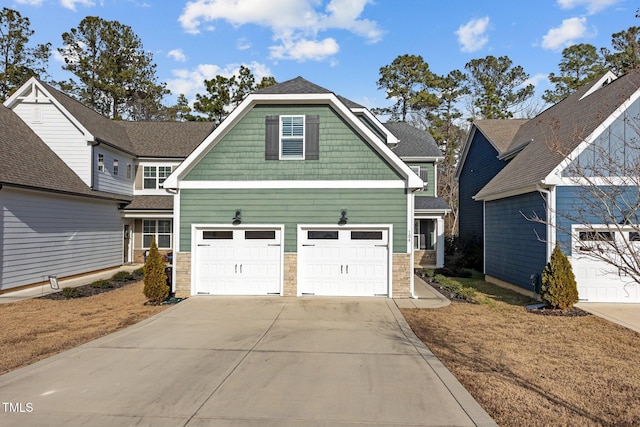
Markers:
point(343, 217)
point(237, 218)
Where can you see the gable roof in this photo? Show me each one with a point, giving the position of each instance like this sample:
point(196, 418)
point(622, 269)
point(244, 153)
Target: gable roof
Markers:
point(500, 132)
point(413, 142)
point(298, 91)
point(27, 162)
point(558, 131)
point(166, 139)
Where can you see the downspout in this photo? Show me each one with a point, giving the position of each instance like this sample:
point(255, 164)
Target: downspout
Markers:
point(94, 160)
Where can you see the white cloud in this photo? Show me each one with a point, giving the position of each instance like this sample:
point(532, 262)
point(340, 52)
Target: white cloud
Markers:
point(177, 55)
point(472, 35)
point(304, 50)
point(592, 6)
point(536, 80)
point(293, 22)
point(191, 82)
point(566, 34)
point(71, 4)
point(30, 2)
point(243, 44)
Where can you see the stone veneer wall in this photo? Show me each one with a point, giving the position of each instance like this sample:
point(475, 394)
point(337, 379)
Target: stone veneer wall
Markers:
point(290, 275)
point(182, 264)
point(401, 273)
point(424, 258)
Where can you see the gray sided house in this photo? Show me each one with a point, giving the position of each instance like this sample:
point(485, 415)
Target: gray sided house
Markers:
point(519, 195)
point(86, 192)
point(298, 192)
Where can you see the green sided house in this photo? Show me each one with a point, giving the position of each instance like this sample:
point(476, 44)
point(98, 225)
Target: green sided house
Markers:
point(297, 192)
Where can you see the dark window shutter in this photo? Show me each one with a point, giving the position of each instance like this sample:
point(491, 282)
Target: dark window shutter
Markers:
point(272, 139)
point(312, 137)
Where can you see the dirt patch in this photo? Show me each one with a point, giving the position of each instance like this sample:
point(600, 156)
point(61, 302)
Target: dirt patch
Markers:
point(35, 329)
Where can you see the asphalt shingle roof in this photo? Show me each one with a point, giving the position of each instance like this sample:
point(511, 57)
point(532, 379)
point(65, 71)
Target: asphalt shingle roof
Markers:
point(501, 132)
point(29, 163)
point(414, 142)
point(557, 131)
point(300, 85)
point(166, 139)
point(430, 203)
point(151, 203)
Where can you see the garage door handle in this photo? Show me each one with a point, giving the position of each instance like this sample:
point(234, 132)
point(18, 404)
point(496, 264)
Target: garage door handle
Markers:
point(308, 245)
point(347, 269)
point(342, 269)
point(236, 268)
point(240, 268)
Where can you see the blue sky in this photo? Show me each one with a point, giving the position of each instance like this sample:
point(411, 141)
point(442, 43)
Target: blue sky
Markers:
point(338, 44)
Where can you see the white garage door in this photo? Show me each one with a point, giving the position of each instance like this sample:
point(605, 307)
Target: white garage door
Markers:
point(343, 262)
point(597, 280)
point(237, 261)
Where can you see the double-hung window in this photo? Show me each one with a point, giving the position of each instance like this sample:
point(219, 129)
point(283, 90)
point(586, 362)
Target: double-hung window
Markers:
point(115, 167)
point(292, 137)
point(154, 176)
point(160, 229)
point(100, 162)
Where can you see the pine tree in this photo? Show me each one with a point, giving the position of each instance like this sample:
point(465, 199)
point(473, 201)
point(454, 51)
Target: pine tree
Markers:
point(155, 279)
point(559, 288)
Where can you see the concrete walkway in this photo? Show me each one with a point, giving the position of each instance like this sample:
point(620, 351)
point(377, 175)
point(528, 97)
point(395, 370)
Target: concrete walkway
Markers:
point(627, 315)
point(247, 361)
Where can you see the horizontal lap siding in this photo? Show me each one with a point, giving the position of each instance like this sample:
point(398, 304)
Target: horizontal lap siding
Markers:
point(292, 207)
point(107, 181)
point(513, 251)
point(240, 155)
point(480, 166)
point(61, 136)
point(47, 235)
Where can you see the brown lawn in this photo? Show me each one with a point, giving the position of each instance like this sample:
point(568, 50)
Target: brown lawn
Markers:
point(526, 369)
point(38, 328)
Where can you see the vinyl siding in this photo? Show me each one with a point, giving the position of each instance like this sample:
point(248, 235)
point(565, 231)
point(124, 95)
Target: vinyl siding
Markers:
point(571, 209)
point(55, 235)
point(107, 181)
point(513, 250)
point(240, 155)
point(60, 135)
point(480, 166)
point(293, 207)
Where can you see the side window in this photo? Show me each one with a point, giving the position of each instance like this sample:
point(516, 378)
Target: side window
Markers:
point(149, 177)
point(115, 167)
point(292, 137)
point(100, 162)
point(128, 171)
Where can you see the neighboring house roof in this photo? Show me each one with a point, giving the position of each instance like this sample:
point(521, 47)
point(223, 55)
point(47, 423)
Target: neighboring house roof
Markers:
point(557, 131)
point(27, 162)
point(102, 128)
point(500, 132)
point(430, 204)
point(152, 203)
point(166, 139)
point(297, 85)
point(413, 142)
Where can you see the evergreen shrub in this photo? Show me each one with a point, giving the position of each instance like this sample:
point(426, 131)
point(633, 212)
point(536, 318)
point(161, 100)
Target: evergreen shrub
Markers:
point(559, 288)
point(155, 279)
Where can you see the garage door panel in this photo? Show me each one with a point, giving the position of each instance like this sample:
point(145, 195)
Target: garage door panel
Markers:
point(597, 280)
point(238, 265)
point(343, 265)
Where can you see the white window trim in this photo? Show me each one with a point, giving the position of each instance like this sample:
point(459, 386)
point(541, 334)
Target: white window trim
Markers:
point(158, 184)
point(101, 162)
point(156, 233)
point(116, 167)
point(281, 138)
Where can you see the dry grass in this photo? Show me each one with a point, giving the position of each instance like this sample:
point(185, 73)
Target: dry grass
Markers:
point(35, 329)
point(531, 370)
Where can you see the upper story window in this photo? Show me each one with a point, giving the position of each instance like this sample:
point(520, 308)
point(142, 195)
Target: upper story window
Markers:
point(154, 176)
point(292, 137)
point(100, 162)
point(128, 171)
point(115, 167)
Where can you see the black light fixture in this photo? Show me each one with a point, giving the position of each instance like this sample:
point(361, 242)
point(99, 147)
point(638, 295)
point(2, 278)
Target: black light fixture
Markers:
point(237, 219)
point(343, 217)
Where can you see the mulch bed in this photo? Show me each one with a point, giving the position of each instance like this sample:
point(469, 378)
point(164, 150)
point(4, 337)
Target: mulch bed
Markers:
point(89, 290)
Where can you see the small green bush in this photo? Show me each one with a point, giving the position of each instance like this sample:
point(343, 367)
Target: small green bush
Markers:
point(427, 272)
point(122, 276)
point(71, 293)
point(102, 284)
point(138, 273)
point(456, 288)
point(559, 288)
point(155, 279)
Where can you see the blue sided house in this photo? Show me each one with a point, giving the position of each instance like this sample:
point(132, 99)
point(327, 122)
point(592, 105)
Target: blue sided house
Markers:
point(526, 184)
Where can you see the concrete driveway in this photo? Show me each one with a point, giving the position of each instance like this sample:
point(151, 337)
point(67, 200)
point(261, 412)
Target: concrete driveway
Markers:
point(235, 361)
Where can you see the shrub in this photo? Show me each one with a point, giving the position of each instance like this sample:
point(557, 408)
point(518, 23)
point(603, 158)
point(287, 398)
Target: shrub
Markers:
point(102, 284)
point(427, 272)
point(122, 276)
point(71, 292)
point(138, 273)
point(463, 252)
point(559, 288)
point(456, 288)
point(155, 279)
